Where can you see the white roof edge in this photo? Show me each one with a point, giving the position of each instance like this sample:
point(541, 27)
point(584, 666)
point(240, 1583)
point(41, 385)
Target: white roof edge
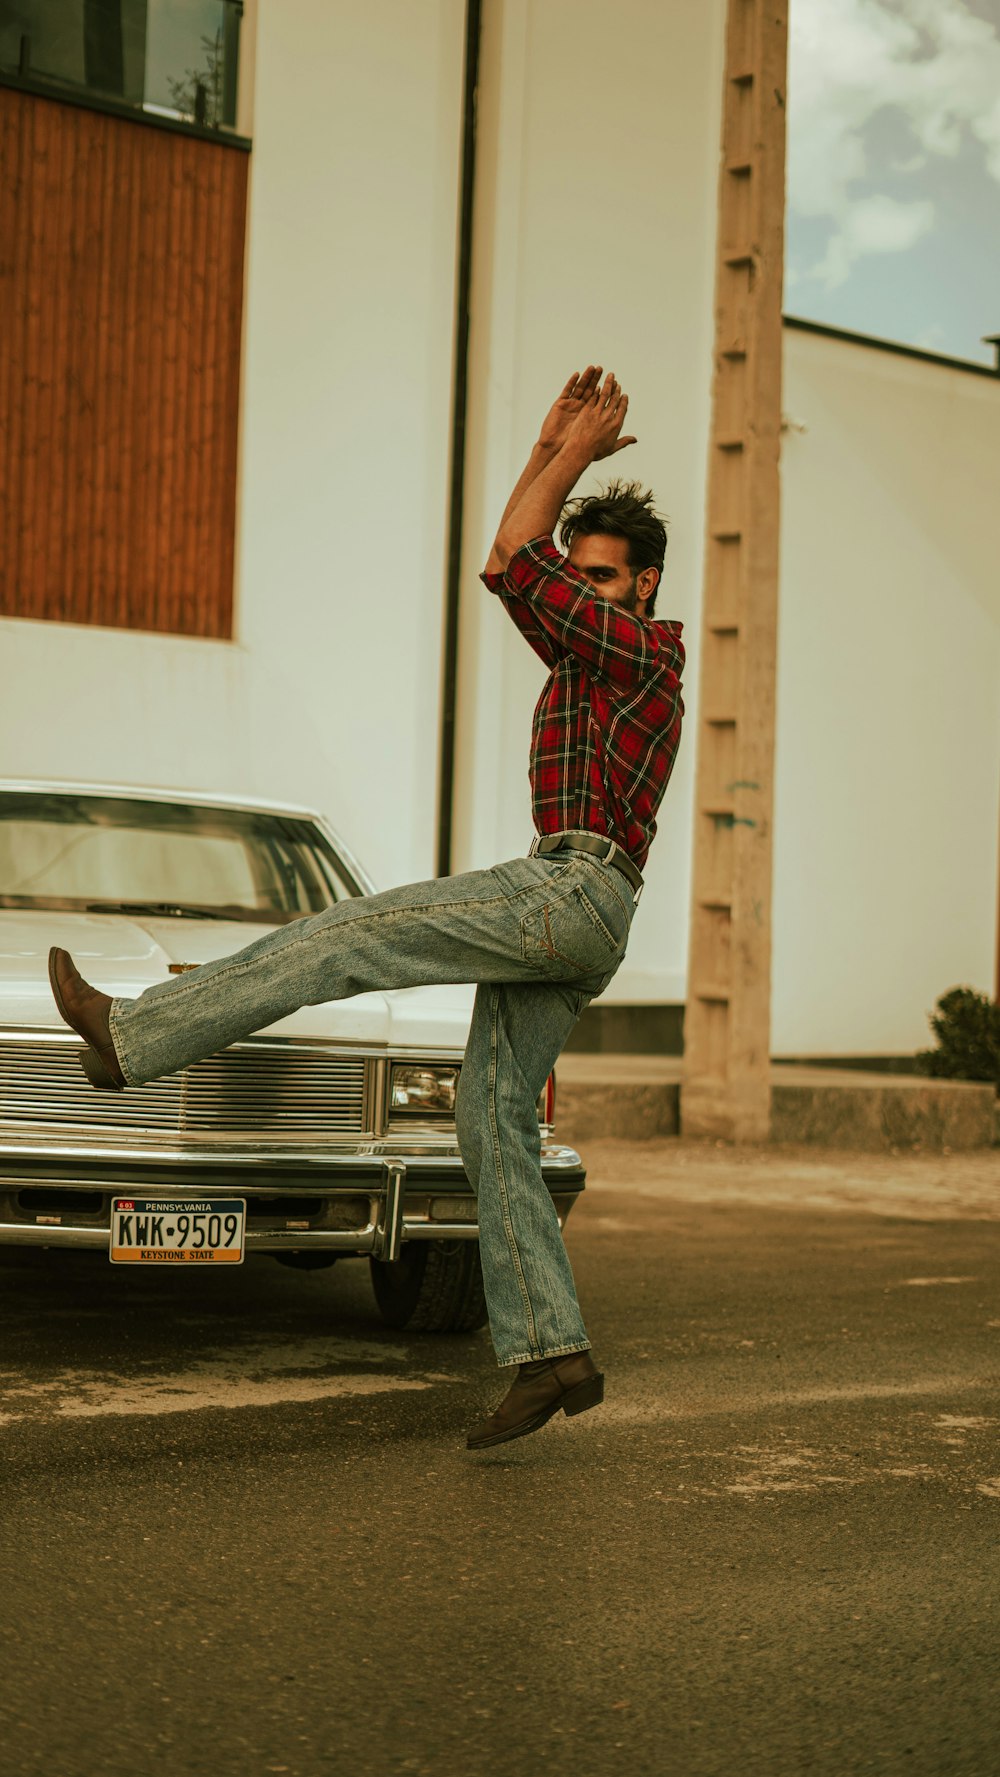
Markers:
point(157, 792)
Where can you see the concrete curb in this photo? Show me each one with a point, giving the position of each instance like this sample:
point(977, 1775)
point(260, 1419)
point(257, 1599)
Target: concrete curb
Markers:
point(637, 1098)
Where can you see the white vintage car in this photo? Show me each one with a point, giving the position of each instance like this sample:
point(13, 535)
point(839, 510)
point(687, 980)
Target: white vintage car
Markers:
point(331, 1134)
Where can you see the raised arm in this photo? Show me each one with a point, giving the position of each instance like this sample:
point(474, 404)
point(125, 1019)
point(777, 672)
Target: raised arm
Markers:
point(583, 425)
point(554, 605)
point(580, 389)
point(587, 418)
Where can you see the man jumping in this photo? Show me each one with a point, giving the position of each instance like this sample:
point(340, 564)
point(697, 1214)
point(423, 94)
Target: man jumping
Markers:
point(541, 935)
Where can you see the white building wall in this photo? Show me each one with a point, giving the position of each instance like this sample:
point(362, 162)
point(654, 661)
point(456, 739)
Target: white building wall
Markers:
point(594, 237)
point(594, 240)
point(888, 736)
point(330, 693)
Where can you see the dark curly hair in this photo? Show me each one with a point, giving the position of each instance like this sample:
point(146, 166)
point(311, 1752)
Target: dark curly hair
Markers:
point(622, 509)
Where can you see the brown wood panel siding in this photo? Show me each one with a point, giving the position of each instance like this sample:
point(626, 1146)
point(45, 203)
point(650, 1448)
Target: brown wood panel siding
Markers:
point(121, 292)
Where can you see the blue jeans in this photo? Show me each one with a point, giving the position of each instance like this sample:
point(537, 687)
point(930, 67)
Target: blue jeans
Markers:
point(541, 937)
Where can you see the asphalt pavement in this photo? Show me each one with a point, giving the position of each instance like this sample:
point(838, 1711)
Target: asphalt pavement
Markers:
point(241, 1533)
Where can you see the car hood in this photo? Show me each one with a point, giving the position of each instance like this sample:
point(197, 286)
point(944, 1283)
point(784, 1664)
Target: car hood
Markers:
point(124, 954)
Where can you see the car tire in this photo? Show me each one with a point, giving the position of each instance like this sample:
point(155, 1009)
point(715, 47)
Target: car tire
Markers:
point(435, 1286)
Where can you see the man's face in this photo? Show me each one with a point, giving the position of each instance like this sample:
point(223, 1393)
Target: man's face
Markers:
point(603, 561)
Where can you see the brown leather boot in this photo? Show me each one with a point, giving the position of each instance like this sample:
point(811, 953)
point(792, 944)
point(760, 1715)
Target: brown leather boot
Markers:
point(86, 1011)
point(541, 1389)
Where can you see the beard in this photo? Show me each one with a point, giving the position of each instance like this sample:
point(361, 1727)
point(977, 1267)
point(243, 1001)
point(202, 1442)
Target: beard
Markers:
point(630, 602)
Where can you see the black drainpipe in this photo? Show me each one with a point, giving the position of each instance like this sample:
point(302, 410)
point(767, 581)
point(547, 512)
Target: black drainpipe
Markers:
point(460, 384)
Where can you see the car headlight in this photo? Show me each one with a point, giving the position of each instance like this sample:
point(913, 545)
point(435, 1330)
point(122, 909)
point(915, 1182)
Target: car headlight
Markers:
point(423, 1091)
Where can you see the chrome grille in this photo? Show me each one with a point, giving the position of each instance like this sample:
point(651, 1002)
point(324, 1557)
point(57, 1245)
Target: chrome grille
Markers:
point(253, 1090)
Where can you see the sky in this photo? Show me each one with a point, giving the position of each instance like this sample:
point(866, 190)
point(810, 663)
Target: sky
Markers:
point(893, 220)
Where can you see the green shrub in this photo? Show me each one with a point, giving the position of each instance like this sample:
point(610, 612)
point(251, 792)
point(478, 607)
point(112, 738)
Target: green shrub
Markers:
point(967, 1027)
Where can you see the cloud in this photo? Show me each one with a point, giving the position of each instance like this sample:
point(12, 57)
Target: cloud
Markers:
point(872, 225)
point(933, 338)
point(934, 63)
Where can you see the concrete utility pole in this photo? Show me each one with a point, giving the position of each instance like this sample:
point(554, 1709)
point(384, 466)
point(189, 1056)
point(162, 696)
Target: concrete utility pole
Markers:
point(726, 1080)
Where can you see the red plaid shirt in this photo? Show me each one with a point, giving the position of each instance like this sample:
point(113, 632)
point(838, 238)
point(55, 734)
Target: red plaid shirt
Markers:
point(608, 721)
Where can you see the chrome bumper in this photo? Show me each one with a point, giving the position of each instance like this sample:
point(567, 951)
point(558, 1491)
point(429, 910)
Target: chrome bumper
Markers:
point(369, 1203)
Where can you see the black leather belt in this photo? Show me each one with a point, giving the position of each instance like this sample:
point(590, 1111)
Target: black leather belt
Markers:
point(596, 846)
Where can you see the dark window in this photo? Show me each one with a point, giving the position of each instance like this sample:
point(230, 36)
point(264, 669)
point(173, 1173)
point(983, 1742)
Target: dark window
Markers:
point(172, 58)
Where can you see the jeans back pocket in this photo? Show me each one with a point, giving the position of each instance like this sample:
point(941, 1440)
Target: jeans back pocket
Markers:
point(568, 936)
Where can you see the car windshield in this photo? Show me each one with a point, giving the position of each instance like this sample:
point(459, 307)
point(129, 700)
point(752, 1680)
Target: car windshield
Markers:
point(114, 854)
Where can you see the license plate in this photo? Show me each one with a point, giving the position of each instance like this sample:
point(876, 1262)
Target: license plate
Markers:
point(177, 1231)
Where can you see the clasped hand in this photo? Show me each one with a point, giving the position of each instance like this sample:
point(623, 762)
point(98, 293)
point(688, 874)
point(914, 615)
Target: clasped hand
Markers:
point(588, 413)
